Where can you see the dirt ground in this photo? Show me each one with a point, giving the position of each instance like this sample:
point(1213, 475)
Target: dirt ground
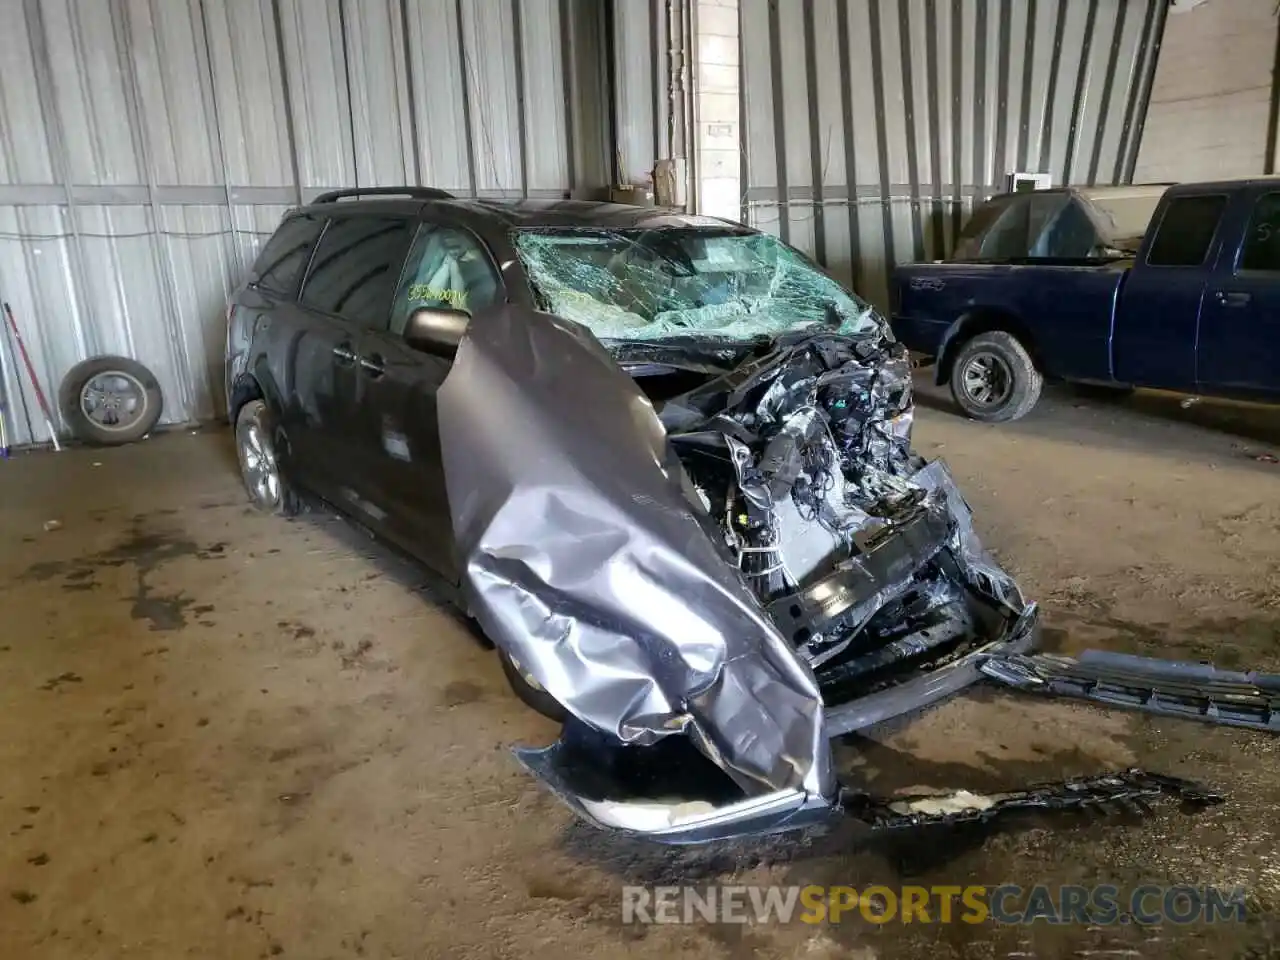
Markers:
point(227, 735)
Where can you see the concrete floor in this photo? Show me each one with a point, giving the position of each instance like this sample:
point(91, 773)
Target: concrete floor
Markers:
point(228, 735)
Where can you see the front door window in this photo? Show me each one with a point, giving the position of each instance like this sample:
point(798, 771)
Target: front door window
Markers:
point(448, 267)
point(1262, 241)
point(1186, 230)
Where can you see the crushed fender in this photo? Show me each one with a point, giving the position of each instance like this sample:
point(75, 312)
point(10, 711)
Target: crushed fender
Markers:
point(1129, 790)
point(1175, 688)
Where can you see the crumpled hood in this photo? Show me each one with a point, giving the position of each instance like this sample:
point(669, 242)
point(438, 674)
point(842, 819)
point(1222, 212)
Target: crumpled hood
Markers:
point(584, 558)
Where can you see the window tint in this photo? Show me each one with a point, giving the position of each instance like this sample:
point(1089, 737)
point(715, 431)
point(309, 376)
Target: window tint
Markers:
point(1007, 239)
point(1262, 242)
point(1070, 235)
point(355, 269)
point(1185, 231)
point(285, 256)
point(970, 245)
point(447, 267)
point(1045, 209)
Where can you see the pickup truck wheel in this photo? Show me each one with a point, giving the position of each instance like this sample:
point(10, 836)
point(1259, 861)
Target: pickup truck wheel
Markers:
point(994, 379)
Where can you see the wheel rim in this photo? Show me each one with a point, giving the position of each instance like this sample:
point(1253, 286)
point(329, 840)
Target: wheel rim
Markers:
point(258, 464)
point(986, 380)
point(113, 400)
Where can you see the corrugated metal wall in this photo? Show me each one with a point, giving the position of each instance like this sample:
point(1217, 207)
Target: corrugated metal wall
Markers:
point(873, 125)
point(650, 38)
point(147, 147)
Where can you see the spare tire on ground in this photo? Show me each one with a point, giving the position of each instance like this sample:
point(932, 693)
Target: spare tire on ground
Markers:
point(110, 400)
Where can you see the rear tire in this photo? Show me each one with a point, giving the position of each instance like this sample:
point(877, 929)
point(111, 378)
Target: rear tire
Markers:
point(530, 691)
point(267, 486)
point(994, 379)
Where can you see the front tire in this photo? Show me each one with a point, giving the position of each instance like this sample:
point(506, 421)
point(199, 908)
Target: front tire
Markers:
point(994, 379)
point(530, 690)
point(268, 489)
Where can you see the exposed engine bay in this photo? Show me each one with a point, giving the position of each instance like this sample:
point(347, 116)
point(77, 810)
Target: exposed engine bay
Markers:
point(803, 460)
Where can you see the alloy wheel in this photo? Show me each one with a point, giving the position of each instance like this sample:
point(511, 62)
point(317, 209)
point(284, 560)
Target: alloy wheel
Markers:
point(258, 463)
point(987, 380)
point(113, 400)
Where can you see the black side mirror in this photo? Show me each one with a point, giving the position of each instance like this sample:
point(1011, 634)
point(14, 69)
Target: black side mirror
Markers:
point(436, 330)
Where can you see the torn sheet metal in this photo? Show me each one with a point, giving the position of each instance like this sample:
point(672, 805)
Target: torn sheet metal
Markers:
point(1127, 790)
point(661, 792)
point(980, 569)
point(584, 559)
point(1195, 691)
point(866, 561)
point(764, 549)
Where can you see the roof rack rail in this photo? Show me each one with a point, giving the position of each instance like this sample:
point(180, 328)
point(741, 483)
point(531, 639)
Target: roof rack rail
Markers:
point(417, 193)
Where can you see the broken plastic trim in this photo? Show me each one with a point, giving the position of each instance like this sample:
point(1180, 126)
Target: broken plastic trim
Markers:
point(1131, 789)
point(931, 686)
point(675, 821)
point(1175, 688)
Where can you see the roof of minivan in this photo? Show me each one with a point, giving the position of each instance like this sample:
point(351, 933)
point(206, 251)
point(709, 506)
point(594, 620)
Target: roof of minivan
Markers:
point(549, 213)
point(585, 213)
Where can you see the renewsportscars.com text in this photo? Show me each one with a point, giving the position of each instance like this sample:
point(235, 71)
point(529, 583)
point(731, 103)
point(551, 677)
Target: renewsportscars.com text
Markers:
point(1006, 903)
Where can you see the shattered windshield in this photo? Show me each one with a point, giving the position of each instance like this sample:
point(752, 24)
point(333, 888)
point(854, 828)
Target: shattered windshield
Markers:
point(683, 282)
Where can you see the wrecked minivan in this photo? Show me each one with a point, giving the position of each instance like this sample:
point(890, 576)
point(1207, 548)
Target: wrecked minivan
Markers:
point(665, 460)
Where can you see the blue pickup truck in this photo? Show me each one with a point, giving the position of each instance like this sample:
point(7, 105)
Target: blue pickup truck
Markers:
point(1174, 287)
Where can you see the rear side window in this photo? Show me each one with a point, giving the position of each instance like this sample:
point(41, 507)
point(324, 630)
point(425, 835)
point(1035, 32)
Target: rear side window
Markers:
point(1262, 242)
point(356, 267)
point(280, 266)
point(1186, 230)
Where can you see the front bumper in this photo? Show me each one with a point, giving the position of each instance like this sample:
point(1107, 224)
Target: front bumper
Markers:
point(929, 688)
point(678, 822)
point(1173, 688)
point(698, 821)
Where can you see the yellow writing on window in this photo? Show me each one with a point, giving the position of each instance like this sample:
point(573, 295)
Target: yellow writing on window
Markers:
point(454, 298)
